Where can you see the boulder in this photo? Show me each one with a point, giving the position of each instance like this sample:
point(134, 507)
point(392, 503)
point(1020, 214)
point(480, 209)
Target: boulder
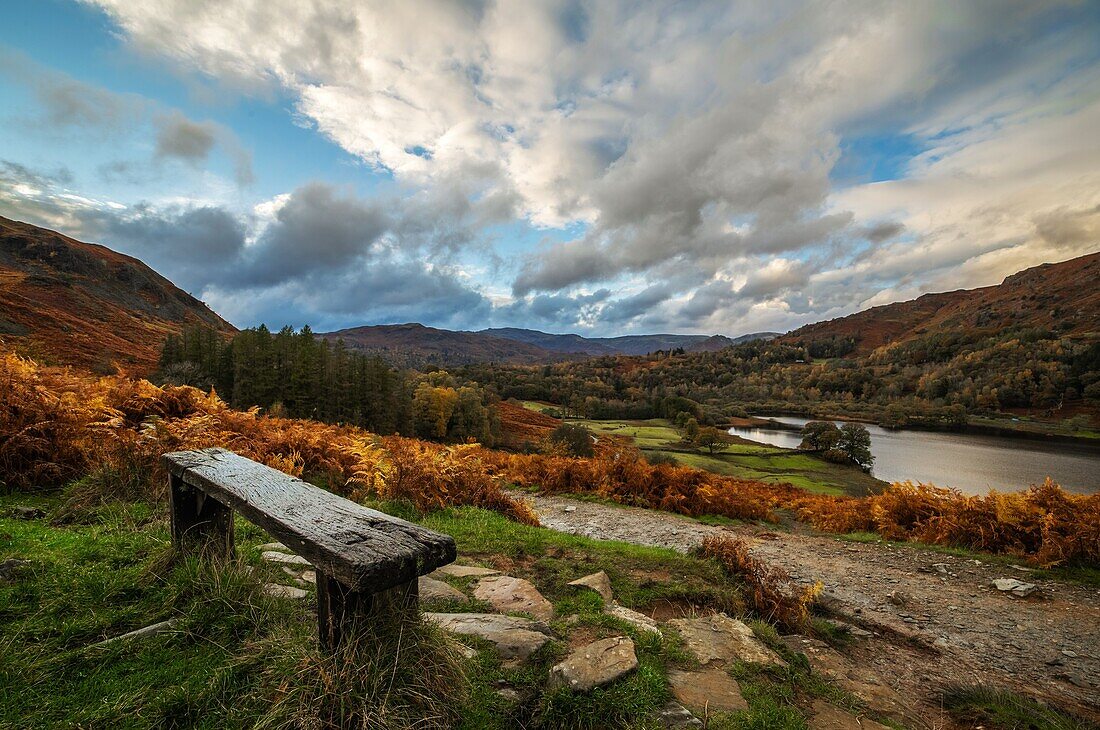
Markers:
point(720, 639)
point(513, 595)
point(830, 717)
point(512, 637)
point(465, 571)
point(272, 556)
point(436, 590)
point(711, 690)
point(598, 582)
point(638, 620)
point(595, 665)
point(1016, 587)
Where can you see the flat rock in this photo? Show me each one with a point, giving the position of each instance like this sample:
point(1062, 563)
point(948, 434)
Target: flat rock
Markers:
point(144, 632)
point(436, 590)
point(273, 556)
point(830, 717)
point(309, 576)
point(465, 571)
point(853, 677)
point(674, 716)
point(280, 591)
point(513, 595)
point(1016, 587)
point(274, 546)
point(711, 690)
point(638, 620)
point(720, 639)
point(513, 637)
point(598, 582)
point(596, 664)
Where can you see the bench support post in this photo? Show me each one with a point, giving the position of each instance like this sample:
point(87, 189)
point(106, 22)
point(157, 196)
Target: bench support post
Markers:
point(343, 613)
point(199, 521)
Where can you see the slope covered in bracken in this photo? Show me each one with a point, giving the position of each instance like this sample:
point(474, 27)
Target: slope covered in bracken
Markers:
point(1063, 297)
point(81, 304)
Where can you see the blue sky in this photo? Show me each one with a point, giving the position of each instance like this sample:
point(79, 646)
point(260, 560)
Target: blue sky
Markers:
point(602, 168)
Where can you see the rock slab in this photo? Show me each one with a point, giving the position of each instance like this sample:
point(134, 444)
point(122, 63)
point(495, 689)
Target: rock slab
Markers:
point(273, 556)
point(830, 717)
point(595, 665)
point(511, 636)
point(436, 590)
point(280, 591)
point(465, 571)
point(638, 620)
point(598, 582)
point(674, 716)
point(513, 595)
point(719, 639)
point(711, 690)
point(1016, 587)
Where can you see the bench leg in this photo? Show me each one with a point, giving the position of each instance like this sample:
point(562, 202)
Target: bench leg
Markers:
point(343, 613)
point(199, 522)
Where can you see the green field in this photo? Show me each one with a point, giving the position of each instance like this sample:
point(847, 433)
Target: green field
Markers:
point(737, 458)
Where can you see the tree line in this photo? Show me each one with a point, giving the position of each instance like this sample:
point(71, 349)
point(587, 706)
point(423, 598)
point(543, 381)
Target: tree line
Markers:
point(294, 373)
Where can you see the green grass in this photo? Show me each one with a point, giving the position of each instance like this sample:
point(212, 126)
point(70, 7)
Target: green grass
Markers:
point(999, 709)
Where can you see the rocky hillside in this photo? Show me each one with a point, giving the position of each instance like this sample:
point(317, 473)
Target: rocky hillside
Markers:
point(72, 303)
point(625, 345)
point(1063, 297)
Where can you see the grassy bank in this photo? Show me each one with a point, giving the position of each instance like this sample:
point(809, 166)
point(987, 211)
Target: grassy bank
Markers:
point(236, 657)
point(742, 458)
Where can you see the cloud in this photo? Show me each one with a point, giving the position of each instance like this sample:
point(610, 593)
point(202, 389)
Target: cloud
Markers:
point(690, 152)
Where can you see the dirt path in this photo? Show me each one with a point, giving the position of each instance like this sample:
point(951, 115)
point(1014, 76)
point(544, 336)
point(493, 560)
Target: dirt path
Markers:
point(935, 618)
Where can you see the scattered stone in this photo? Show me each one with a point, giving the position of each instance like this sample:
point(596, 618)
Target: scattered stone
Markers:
point(514, 595)
point(674, 716)
point(278, 590)
point(638, 620)
point(722, 639)
point(711, 690)
point(572, 619)
point(1070, 653)
point(274, 546)
point(27, 513)
point(310, 576)
point(940, 568)
point(10, 568)
point(295, 576)
point(1021, 568)
point(465, 571)
point(513, 637)
point(569, 508)
point(899, 598)
point(830, 717)
point(272, 556)
point(595, 665)
point(436, 590)
point(143, 633)
point(509, 695)
point(467, 651)
point(598, 582)
point(1016, 587)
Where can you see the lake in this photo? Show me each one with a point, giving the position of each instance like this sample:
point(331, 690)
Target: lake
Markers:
point(971, 463)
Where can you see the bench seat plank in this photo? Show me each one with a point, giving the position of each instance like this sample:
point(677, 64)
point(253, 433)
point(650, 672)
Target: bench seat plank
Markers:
point(364, 549)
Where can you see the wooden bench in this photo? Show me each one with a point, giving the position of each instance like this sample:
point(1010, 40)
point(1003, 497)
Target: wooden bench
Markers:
point(367, 562)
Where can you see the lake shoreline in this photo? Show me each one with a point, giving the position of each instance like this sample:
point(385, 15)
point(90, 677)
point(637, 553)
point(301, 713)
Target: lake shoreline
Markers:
point(983, 429)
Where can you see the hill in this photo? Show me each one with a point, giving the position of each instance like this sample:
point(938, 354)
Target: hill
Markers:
point(1062, 297)
point(625, 345)
point(413, 345)
point(75, 303)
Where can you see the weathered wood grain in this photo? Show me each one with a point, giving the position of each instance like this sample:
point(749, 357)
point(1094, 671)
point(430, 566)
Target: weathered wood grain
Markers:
point(364, 549)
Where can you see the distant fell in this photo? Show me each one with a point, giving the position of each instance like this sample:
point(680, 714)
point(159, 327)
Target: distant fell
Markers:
point(1062, 297)
point(415, 345)
point(72, 303)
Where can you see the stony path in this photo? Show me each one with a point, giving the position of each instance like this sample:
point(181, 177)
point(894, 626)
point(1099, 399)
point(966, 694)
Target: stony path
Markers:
point(935, 617)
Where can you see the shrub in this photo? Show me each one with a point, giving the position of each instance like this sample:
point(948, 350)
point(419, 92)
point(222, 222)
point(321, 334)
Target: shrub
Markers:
point(772, 594)
point(572, 440)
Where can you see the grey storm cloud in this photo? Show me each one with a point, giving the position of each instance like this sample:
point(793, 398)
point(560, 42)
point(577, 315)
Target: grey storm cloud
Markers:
point(179, 137)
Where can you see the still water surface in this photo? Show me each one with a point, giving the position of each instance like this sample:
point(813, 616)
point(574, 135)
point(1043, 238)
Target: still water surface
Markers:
point(972, 463)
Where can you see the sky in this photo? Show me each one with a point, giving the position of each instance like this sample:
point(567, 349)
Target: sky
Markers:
point(597, 167)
